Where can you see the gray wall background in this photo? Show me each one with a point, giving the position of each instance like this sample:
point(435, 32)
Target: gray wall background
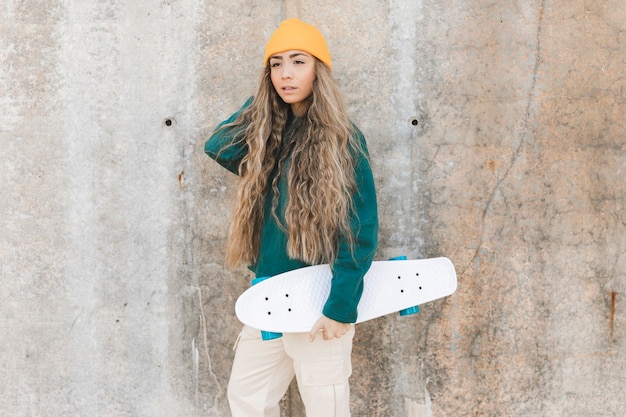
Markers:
point(113, 299)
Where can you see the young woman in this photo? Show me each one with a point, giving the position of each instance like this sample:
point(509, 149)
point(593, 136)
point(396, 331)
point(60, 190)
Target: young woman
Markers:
point(306, 196)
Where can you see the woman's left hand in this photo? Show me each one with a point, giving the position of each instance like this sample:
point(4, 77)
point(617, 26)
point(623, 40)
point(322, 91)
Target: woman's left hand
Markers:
point(330, 329)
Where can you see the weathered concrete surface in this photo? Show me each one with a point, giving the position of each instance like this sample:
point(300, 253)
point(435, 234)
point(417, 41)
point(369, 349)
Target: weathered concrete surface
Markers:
point(497, 136)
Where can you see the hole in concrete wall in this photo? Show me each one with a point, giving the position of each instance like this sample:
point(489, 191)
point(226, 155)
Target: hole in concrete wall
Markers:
point(419, 122)
point(169, 121)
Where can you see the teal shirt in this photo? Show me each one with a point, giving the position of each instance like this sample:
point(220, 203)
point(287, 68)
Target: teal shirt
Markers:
point(351, 264)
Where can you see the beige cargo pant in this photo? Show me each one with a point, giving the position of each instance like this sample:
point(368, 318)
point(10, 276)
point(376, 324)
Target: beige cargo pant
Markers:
point(263, 369)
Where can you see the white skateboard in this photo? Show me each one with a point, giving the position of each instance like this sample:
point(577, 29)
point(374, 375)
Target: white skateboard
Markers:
point(293, 301)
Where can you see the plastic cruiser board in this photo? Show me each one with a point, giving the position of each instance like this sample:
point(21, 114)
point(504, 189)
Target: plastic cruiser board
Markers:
point(293, 301)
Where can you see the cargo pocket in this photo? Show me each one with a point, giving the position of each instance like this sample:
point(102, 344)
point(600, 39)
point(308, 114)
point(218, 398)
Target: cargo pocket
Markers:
point(324, 374)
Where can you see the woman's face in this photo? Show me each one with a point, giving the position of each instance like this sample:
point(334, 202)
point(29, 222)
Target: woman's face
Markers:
point(292, 73)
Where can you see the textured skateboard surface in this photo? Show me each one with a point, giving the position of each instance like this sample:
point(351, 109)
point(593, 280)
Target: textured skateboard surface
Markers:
point(293, 301)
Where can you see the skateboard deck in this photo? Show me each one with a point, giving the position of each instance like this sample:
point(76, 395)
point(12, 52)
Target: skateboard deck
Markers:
point(293, 301)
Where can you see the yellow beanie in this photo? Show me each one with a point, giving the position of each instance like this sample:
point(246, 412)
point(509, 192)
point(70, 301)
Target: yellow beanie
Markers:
point(295, 34)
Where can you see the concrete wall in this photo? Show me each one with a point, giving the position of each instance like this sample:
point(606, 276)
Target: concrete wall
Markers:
point(497, 131)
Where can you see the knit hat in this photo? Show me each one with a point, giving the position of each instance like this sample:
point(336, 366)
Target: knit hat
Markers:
point(295, 34)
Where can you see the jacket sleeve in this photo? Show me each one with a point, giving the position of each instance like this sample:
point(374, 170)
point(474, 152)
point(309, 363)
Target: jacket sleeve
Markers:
point(352, 263)
point(226, 145)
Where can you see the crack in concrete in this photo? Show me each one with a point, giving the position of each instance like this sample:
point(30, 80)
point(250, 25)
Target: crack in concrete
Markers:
point(523, 134)
point(205, 344)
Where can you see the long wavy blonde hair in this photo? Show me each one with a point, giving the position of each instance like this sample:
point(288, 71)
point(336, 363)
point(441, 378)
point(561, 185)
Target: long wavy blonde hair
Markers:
point(320, 175)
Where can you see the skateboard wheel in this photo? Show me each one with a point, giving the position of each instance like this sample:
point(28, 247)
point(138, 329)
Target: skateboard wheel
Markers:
point(259, 279)
point(270, 335)
point(409, 311)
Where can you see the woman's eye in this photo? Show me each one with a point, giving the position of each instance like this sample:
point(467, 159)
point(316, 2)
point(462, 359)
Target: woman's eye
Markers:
point(275, 64)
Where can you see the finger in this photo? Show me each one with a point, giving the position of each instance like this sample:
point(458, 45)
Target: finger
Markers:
point(313, 333)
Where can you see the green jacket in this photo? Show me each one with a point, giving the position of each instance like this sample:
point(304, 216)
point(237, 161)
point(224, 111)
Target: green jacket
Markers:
point(350, 266)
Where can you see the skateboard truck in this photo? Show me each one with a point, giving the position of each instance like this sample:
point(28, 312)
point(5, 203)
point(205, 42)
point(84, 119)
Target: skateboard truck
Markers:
point(264, 334)
point(410, 310)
